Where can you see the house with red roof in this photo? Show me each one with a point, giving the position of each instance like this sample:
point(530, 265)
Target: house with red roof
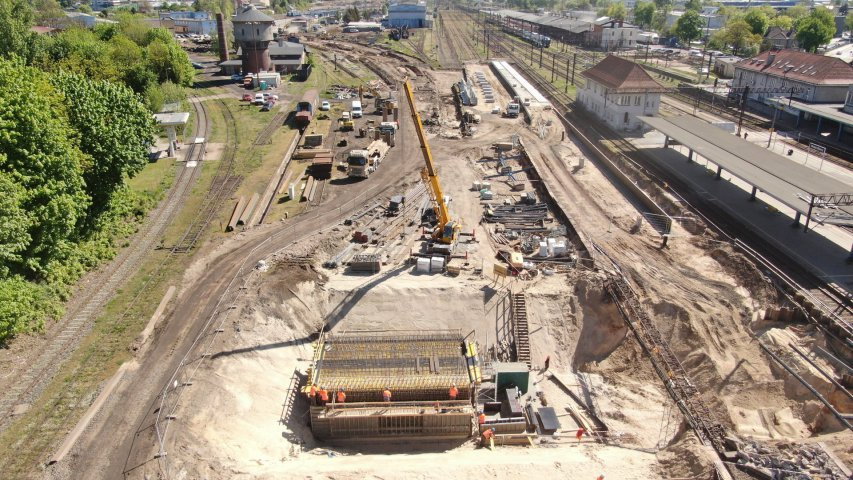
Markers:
point(814, 78)
point(618, 91)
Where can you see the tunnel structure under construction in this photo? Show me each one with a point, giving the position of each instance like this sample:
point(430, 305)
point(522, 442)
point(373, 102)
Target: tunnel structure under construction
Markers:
point(418, 369)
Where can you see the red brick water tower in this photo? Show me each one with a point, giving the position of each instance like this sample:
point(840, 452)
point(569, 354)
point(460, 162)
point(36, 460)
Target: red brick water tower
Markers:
point(253, 30)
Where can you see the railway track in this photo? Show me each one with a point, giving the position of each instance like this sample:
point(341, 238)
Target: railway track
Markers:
point(447, 46)
point(224, 183)
point(37, 374)
point(832, 303)
point(265, 135)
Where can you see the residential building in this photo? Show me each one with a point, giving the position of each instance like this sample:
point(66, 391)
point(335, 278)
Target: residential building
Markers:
point(779, 38)
point(285, 57)
point(724, 66)
point(814, 78)
point(618, 91)
point(711, 19)
point(614, 35)
point(412, 15)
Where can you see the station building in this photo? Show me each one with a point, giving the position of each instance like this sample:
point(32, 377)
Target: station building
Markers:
point(412, 15)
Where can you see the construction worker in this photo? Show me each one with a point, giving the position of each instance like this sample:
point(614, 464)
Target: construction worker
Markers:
point(454, 392)
point(580, 433)
point(341, 397)
point(481, 419)
point(487, 437)
point(324, 396)
point(386, 395)
point(312, 394)
point(547, 362)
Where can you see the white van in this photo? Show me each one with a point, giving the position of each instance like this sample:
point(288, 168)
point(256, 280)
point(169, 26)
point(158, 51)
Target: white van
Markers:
point(356, 109)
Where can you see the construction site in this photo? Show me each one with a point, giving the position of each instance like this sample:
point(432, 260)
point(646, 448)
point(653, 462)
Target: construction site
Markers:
point(451, 269)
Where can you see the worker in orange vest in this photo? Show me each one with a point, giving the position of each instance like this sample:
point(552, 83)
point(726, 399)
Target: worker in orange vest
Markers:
point(481, 419)
point(386, 394)
point(488, 435)
point(324, 396)
point(341, 397)
point(312, 394)
point(454, 392)
point(580, 433)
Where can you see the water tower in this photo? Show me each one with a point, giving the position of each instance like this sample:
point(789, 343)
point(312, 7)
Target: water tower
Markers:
point(253, 30)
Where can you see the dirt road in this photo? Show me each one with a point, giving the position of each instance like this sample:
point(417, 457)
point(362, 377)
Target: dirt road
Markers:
point(123, 438)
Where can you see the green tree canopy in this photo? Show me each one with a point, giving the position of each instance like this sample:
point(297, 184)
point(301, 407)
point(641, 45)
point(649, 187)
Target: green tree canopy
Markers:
point(695, 5)
point(782, 21)
point(797, 12)
point(643, 13)
point(352, 15)
point(115, 131)
point(40, 154)
point(739, 36)
point(689, 26)
point(617, 11)
point(816, 29)
point(170, 62)
point(757, 20)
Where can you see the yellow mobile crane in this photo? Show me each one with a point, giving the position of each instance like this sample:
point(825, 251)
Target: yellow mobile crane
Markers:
point(447, 230)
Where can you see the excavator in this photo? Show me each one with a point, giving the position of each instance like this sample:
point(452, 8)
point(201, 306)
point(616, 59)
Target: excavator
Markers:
point(446, 231)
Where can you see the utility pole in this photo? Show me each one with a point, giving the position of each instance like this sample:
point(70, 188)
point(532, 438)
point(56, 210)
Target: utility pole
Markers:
point(743, 98)
point(540, 55)
point(574, 62)
point(553, 63)
point(566, 90)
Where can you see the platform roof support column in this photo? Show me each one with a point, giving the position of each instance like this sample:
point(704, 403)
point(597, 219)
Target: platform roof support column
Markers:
point(809, 215)
point(690, 155)
point(752, 195)
point(797, 220)
point(840, 131)
point(665, 141)
point(799, 117)
point(819, 123)
point(719, 172)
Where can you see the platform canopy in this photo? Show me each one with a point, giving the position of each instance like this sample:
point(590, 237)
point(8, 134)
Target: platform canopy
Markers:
point(797, 186)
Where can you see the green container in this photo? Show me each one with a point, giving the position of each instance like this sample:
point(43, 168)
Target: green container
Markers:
point(514, 374)
point(263, 84)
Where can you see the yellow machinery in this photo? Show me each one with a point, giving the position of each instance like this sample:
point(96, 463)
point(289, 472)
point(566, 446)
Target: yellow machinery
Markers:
point(447, 230)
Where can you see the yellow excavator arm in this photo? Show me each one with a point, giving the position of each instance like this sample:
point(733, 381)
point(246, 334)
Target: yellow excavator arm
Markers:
point(447, 230)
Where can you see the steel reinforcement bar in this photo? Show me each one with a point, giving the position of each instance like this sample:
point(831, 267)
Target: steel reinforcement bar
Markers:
point(665, 363)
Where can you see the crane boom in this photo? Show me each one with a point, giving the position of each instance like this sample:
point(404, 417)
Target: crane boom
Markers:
point(447, 229)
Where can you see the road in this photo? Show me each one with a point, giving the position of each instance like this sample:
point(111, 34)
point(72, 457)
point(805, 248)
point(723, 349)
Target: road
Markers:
point(122, 439)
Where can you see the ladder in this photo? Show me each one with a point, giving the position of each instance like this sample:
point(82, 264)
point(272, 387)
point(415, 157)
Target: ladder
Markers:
point(521, 330)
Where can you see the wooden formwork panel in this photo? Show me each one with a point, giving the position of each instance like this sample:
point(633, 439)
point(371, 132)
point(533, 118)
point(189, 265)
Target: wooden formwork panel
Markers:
point(393, 426)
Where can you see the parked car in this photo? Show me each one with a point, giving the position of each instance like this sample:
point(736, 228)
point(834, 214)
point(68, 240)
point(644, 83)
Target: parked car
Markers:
point(247, 97)
point(267, 106)
point(197, 66)
point(325, 106)
point(259, 99)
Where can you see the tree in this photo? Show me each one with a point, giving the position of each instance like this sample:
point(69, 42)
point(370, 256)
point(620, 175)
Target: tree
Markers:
point(849, 21)
point(816, 29)
point(757, 21)
point(352, 15)
point(40, 154)
point(85, 9)
point(694, 5)
point(643, 13)
point(663, 4)
point(170, 62)
point(782, 21)
point(689, 26)
point(797, 12)
point(48, 12)
point(739, 36)
point(16, 39)
point(115, 131)
point(617, 11)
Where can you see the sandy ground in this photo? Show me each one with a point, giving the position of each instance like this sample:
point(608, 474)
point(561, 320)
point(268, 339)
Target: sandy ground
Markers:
point(701, 296)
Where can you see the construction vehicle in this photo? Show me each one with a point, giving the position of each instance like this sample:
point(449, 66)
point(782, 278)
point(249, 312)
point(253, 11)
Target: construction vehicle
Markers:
point(346, 123)
point(446, 230)
point(513, 110)
point(362, 162)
